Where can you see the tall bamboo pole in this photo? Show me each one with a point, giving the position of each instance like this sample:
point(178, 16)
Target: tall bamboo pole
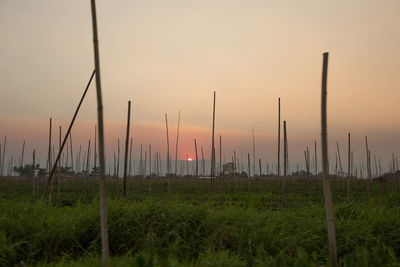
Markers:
point(103, 205)
point(284, 165)
point(213, 148)
point(254, 154)
point(126, 145)
point(279, 136)
point(49, 150)
point(326, 182)
point(168, 157)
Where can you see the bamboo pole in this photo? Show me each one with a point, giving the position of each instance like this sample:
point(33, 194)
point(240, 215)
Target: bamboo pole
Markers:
point(168, 157)
point(284, 197)
point(149, 161)
point(72, 155)
point(279, 136)
point(220, 155)
point(33, 172)
point(348, 167)
point(177, 142)
point(95, 147)
point(141, 160)
point(88, 158)
point(315, 158)
point(197, 159)
point(340, 162)
point(103, 208)
point(49, 150)
point(326, 181)
point(254, 154)
point(368, 170)
point(130, 158)
point(126, 145)
point(68, 131)
point(212, 149)
point(248, 178)
point(4, 155)
point(119, 150)
point(203, 162)
point(22, 155)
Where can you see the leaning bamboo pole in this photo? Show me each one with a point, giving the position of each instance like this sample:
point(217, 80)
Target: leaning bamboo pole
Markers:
point(68, 132)
point(326, 182)
point(103, 207)
point(126, 145)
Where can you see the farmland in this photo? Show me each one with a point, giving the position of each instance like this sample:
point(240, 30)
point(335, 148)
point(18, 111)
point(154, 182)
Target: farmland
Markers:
point(242, 223)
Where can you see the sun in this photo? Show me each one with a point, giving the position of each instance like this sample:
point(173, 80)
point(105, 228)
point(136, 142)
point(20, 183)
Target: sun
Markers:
point(190, 159)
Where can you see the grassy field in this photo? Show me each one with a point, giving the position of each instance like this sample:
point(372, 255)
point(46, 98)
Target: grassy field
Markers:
point(240, 224)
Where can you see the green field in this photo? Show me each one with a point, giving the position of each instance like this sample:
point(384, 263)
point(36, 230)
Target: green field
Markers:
point(241, 224)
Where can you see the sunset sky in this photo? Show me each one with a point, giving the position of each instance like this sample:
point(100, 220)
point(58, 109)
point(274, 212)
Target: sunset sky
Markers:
point(167, 56)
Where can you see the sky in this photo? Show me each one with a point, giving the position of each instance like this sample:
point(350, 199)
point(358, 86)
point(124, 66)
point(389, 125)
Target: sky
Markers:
point(170, 56)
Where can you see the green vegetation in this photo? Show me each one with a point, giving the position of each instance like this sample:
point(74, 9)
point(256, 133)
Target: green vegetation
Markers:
point(191, 227)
